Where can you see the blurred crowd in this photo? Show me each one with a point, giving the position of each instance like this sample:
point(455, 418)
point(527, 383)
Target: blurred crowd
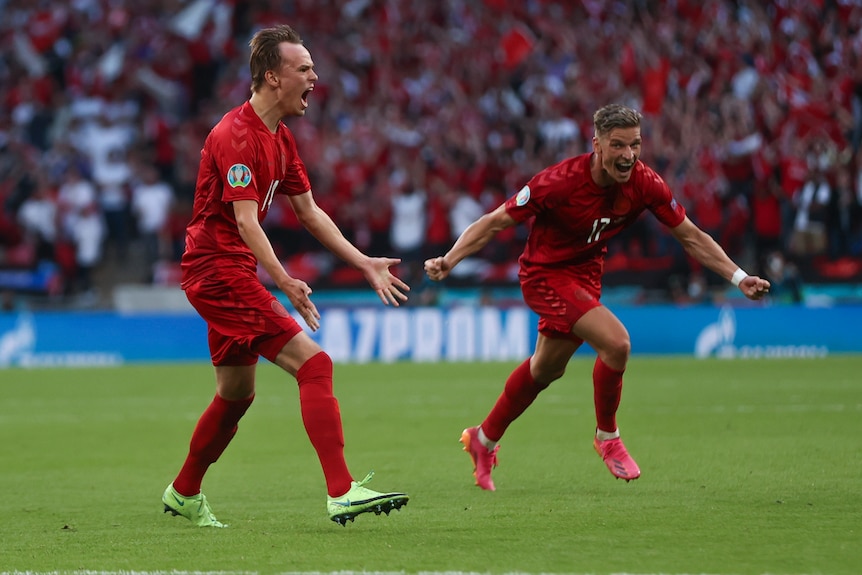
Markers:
point(426, 115)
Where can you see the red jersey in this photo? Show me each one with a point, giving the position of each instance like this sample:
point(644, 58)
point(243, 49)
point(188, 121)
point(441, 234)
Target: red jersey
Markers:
point(241, 160)
point(575, 218)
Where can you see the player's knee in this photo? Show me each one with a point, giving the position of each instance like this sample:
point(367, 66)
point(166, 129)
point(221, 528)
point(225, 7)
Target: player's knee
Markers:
point(316, 369)
point(324, 361)
point(618, 350)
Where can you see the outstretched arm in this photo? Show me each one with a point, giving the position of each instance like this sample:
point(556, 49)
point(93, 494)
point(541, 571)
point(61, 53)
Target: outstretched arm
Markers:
point(702, 247)
point(389, 288)
point(472, 239)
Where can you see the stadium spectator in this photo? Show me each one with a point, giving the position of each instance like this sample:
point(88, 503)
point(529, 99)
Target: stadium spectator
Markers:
point(81, 229)
point(785, 282)
point(840, 209)
point(464, 211)
point(766, 209)
point(248, 159)
point(408, 230)
point(88, 239)
point(107, 143)
point(38, 217)
point(576, 207)
point(152, 201)
point(792, 174)
point(811, 201)
point(438, 234)
point(75, 194)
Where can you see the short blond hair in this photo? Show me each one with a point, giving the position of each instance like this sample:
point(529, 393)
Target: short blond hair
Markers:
point(613, 116)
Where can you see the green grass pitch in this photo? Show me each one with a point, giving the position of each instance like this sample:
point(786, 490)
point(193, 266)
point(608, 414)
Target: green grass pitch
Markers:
point(749, 467)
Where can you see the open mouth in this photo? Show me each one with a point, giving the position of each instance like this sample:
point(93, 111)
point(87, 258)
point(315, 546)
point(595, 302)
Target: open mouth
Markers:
point(304, 97)
point(624, 168)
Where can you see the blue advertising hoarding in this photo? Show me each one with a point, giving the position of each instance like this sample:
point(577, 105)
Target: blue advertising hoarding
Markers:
point(431, 334)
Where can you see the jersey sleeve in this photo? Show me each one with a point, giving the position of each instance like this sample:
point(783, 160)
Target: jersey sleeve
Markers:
point(235, 163)
point(296, 179)
point(534, 198)
point(660, 201)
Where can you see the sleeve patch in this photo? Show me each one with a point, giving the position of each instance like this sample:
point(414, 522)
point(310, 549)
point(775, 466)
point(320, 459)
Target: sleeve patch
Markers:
point(523, 196)
point(238, 176)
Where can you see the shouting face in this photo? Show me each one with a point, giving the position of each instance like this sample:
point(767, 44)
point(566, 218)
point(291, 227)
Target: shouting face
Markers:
point(294, 80)
point(615, 155)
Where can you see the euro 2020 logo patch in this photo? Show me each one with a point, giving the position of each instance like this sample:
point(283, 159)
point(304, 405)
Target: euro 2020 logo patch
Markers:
point(523, 196)
point(238, 176)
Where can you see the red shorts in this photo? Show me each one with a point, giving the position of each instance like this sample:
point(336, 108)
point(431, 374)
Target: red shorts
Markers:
point(560, 298)
point(244, 319)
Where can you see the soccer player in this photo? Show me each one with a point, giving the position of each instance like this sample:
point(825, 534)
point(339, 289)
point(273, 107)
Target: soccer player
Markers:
point(248, 158)
point(577, 206)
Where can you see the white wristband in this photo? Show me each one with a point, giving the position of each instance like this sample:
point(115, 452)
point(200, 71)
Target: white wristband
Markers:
point(738, 276)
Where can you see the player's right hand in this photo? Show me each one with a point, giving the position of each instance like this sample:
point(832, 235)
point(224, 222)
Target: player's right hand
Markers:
point(754, 287)
point(437, 269)
point(297, 291)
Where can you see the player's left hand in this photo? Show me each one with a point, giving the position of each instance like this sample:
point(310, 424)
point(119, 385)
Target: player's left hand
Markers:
point(389, 288)
point(298, 292)
point(754, 287)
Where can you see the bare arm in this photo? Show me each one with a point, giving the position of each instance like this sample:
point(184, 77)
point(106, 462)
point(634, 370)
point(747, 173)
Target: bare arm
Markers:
point(296, 290)
point(702, 247)
point(389, 288)
point(472, 239)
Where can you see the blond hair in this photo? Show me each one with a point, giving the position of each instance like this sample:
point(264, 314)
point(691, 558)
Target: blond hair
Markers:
point(613, 116)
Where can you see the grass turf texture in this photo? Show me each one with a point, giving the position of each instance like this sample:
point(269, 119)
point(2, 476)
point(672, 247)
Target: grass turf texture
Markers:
point(748, 467)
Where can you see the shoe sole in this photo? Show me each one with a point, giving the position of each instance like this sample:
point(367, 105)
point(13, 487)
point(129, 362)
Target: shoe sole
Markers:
point(175, 513)
point(383, 506)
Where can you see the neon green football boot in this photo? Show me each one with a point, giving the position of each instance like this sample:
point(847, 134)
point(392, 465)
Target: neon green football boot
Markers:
point(360, 500)
point(196, 509)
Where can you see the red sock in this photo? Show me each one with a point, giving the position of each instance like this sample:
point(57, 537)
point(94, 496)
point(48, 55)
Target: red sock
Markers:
point(518, 394)
point(607, 391)
point(215, 428)
point(322, 420)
